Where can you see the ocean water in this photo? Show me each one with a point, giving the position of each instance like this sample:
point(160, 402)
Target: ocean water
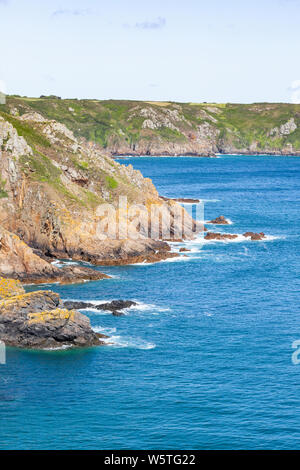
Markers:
point(204, 361)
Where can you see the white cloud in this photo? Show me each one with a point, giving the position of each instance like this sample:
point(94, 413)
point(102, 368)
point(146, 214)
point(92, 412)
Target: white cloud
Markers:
point(157, 23)
point(78, 12)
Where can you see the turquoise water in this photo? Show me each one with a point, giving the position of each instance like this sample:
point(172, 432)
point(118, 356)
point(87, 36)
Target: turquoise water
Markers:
point(204, 362)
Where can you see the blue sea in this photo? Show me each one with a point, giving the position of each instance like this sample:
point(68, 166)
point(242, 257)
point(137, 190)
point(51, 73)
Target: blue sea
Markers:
point(205, 359)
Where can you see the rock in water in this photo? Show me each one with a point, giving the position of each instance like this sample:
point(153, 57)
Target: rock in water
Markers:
point(255, 236)
point(36, 320)
point(219, 221)
point(78, 305)
point(116, 306)
point(220, 236)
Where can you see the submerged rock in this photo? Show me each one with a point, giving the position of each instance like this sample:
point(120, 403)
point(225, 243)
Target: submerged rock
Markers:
point(219, 221)
point(116, 306)
point(181, 199)
point(181, 250)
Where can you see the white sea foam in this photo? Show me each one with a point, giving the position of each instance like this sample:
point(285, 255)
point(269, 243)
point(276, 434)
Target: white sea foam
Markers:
point(210, 200)
point(178, 259)
point(143, 307)
point(208, 314)
point(60, 348)
point(140, 307)
point(128, 342)
point(240, 238)
point(104, 331)
point(61, 263)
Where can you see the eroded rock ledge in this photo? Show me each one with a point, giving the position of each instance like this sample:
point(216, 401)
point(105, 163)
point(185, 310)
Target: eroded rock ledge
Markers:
point(18, 261)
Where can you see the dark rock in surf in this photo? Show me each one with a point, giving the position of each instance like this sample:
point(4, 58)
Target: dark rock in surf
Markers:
point(115, 307)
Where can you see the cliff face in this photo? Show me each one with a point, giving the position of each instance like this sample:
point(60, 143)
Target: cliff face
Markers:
point(158, 128)
point(53, 189)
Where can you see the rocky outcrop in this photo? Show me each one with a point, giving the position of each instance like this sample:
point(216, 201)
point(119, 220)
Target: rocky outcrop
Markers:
point(11, 142)
point(285, 129)
point(115, 307)
point(219, 221)
point(36, 320)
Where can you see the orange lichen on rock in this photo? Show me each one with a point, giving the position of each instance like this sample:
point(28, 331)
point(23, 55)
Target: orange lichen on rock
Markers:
point(58, 314)
point(10, 288)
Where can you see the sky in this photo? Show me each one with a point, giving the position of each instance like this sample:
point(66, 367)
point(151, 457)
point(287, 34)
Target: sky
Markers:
point(238, 51)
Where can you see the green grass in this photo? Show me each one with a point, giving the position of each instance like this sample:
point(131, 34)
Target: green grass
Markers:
point(113, 122)
point(81, 164)
point(111, 182)
point(3, 193)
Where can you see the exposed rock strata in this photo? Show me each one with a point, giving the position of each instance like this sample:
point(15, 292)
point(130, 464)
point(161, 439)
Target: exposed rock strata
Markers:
point(18, 261)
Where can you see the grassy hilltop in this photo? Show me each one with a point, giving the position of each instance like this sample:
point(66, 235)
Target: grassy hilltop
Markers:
point(155, 128)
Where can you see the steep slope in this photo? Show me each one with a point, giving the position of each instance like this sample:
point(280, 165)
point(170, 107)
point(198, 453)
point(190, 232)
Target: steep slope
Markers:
point(167, 128)
point(62, 196)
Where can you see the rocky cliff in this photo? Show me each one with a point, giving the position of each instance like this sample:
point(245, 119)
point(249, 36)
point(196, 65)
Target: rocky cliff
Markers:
point(168, 128)
point(61, 197)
